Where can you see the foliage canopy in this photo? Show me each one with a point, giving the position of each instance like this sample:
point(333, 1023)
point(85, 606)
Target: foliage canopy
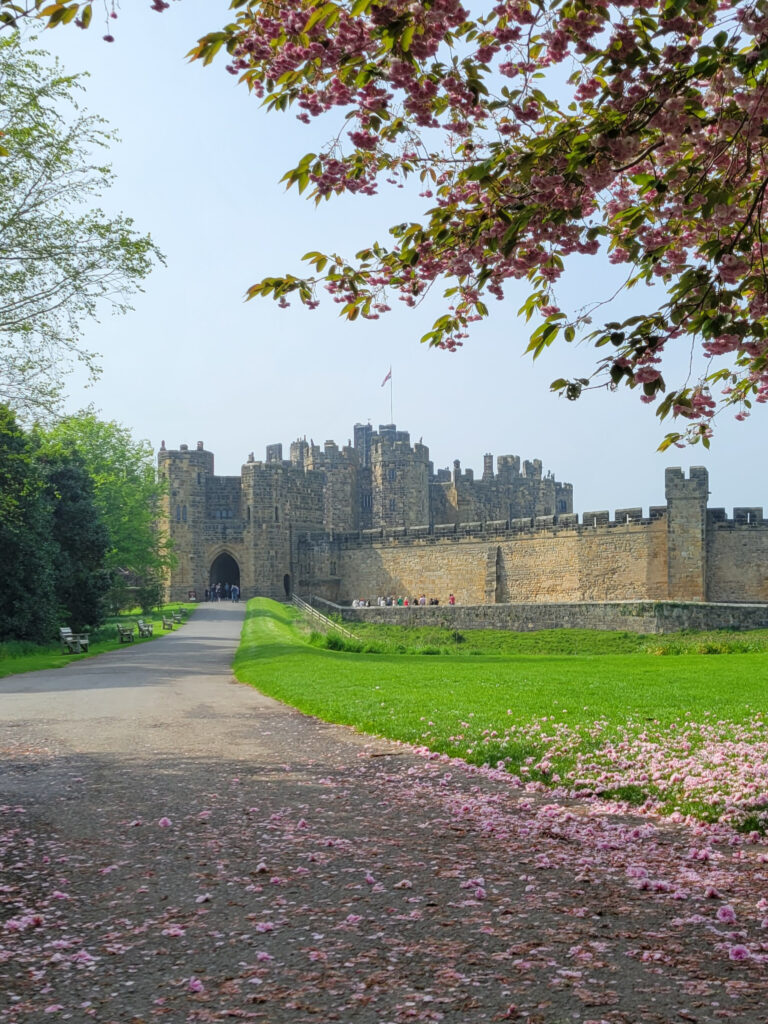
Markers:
point(128, 496)
point(61, 258)
point(541, 132)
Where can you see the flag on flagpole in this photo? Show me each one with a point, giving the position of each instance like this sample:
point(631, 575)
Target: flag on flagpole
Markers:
point(388, 377)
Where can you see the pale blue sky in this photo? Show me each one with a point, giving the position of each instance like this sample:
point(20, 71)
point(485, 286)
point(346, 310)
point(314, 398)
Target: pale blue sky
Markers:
point(199, 167)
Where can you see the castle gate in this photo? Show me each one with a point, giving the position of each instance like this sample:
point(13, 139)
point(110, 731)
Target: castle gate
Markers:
point(225, 570)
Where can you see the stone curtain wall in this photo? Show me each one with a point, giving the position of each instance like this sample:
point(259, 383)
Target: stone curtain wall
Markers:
point(622, 561)
point(618, 561)
point(627, 617)
point(737, 561)
point(412, 568)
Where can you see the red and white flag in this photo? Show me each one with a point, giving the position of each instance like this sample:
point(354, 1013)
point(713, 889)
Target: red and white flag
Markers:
point(388, 377)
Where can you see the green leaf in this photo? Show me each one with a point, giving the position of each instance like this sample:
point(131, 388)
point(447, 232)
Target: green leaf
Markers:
point(320, 14)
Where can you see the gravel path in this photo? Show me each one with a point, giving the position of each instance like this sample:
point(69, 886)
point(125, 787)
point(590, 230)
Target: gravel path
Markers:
point(176, 847)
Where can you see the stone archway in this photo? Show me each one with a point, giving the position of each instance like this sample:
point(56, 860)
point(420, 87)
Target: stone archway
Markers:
point(224, 569)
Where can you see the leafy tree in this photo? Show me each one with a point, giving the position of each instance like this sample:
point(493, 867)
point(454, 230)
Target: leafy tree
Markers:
point(80, 578)
point(127, 493)
point(27, 550)
point(540, 131)
point(61, 258)
point(60, 12)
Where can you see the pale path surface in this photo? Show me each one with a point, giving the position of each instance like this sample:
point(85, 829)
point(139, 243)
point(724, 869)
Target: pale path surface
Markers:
point(176, 847)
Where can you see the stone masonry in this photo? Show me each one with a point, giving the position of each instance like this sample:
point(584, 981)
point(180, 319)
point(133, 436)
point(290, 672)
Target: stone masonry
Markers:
point(375, 518)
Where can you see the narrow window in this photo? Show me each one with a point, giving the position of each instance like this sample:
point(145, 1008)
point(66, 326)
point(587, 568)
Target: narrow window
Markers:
point(392, 505)
point(199, 478)
point(277, 514)
point(184, 513)
point(392, 476)
point(249, 513)
point(178, 513)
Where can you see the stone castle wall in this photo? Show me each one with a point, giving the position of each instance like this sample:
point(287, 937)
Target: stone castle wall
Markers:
point(737, 560)
point(483, 564)
point(300, 525)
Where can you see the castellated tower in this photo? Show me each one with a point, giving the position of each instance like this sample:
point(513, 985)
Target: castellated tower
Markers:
point(686, 533)
point(515, 491)
point(341, 477)
point(249, 529)
point(399, 479)
point(187, 473)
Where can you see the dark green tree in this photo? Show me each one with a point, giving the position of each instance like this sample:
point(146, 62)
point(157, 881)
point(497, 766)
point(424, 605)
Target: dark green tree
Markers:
point(81, 580)
point(128, 495)
point(27, 549)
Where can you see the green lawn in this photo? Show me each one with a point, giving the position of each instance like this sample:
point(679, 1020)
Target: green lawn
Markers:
point(629, 724)
point(21, 656)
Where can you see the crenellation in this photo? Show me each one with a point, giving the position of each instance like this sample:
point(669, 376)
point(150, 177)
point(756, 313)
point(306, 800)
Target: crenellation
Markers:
point(595, 519)
point(748, 516)
point(627, 515)
point(373, 518)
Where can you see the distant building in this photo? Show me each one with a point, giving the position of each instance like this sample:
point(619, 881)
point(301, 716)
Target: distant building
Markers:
point(375, 518)
point(246, 529)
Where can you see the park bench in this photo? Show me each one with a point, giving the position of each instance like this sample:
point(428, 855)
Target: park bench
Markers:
point(125, 634)
point(178, 618)
point(145, 628)
point(167, 623)
point(73, 643)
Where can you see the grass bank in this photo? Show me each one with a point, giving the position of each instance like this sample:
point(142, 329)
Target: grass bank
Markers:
point(381, 639)
point(17, 656)
point(686, 734)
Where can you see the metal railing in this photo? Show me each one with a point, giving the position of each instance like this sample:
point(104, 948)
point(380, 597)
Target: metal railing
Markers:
point(320, 619)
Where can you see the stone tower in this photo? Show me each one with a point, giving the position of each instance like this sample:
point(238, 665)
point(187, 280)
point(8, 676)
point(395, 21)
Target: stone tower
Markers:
point(686, 533)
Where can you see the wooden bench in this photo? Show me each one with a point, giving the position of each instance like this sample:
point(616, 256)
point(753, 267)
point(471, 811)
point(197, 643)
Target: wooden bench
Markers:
point(125, 634)
point(73, 643)
point(145, 628)
point(167, 623)
point(178, 618)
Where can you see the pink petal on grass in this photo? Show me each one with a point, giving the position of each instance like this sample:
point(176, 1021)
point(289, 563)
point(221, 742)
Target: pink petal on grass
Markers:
point(165, 823)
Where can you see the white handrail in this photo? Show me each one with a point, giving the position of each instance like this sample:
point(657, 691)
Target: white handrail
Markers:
point(322, 619)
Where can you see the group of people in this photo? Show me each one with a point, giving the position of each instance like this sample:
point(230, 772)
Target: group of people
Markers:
point(401, 602)
point(222, 592)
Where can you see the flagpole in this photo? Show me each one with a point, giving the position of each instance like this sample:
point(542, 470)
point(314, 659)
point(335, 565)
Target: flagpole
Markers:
point(391, 413)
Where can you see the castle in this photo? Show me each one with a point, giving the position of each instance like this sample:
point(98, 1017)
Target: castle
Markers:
point(374, 518)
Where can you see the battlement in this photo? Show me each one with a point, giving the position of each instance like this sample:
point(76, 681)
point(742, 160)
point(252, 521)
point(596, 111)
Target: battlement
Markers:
point(751, 516)
point(590, 522)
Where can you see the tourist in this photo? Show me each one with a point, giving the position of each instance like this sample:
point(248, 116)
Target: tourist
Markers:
point(451, 599)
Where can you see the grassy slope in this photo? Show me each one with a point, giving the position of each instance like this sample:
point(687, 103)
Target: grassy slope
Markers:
point(391, 694)
point(415, 639)
point(689, 733)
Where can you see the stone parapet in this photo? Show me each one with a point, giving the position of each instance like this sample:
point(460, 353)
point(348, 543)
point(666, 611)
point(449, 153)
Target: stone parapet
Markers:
point(617, 616)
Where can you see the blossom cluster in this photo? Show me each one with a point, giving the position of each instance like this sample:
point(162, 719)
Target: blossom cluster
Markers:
point(653, 152)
